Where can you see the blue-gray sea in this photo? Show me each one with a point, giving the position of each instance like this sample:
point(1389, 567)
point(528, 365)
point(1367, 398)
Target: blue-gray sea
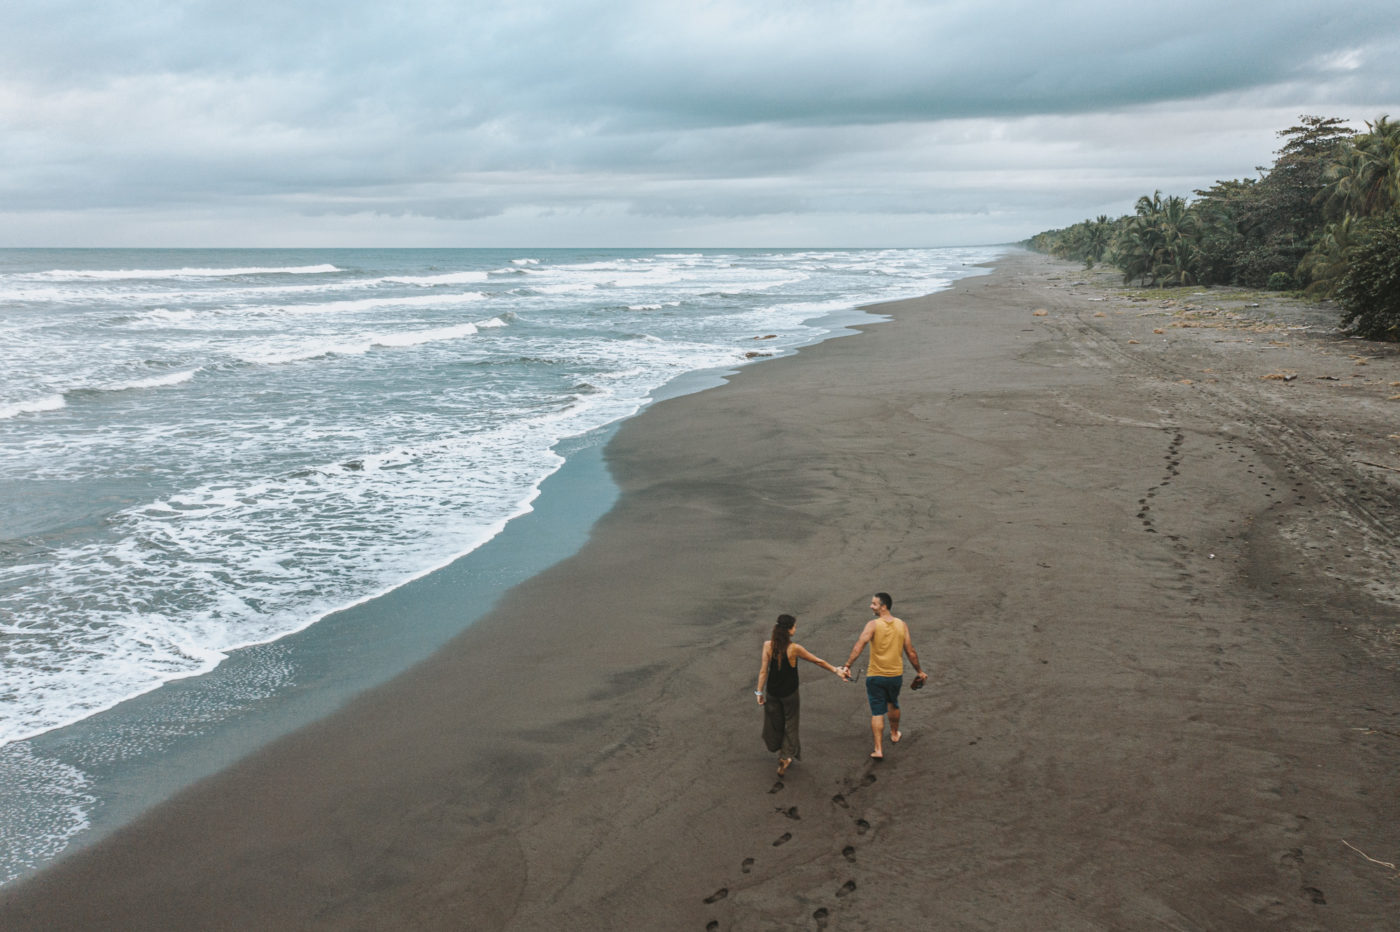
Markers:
point(204, 450)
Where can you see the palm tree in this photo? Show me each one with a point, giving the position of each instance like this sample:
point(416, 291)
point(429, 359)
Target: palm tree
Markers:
point(1326, 263)
point(1096, 238)
point(1158, 243)
point(1176, 259)
point(1365, 180)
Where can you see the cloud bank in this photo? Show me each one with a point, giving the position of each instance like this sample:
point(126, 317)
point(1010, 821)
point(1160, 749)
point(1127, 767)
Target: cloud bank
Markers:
point(618, 123)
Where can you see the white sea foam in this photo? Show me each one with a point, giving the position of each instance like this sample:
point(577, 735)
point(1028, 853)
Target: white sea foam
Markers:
point(278, 351)
point(31, 406)
point(354, 305)
point(418, 337)
point(207, 550)
point(289, 351)
point(446, 278)
point(163, 316)
point(155, 381)
point(128, 274)
point(563, 288)
point(43, 805)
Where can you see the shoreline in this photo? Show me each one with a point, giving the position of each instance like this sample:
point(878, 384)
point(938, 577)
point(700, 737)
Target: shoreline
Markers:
point(149, 747)
point(1159, 695)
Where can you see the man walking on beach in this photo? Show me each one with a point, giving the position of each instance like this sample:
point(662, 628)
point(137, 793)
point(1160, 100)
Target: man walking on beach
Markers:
point(889, 642)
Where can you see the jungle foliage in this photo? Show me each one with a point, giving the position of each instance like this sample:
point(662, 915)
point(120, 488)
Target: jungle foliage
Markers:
point(1324, 219)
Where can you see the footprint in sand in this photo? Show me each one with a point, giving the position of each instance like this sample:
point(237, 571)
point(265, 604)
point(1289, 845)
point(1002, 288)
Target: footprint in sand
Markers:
point(747, 865)
point(847, 887)
point(790, 812)
point(712, 926)
point(777, 788)
point(718, 895)
point(820, 915)
point(783, 839)
point(840, 800)
point(862, 826)
point(868, 779)
point(849, 853)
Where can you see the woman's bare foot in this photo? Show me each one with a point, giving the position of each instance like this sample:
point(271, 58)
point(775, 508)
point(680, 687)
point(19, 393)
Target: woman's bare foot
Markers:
point(783, 764)
point(877, 755)
point(895, 736)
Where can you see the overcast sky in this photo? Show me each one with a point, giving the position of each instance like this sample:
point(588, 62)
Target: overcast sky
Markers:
point(649, 123)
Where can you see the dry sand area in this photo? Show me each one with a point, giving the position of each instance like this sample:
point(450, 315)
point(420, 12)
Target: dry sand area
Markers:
point(1147, 546)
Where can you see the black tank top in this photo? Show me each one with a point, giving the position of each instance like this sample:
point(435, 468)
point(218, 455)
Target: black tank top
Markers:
point(782, 676)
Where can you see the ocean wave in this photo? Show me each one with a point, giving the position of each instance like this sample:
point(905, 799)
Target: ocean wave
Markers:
point(155, 381)
point(156, 317)
point(60, 400)
point(126, 274)
point(562, 288)
point(367, 304)
point(215, 568)
point(304, 352)
point(32, 406)
point(419, 337)
point(446, 278)
point(318, 348)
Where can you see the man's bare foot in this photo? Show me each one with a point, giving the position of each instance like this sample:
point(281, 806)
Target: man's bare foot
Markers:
point(783, 764)
point(877, 755)
point(895, 736)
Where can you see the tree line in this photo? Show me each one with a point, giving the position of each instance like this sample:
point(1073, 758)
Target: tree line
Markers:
point(1324, 220)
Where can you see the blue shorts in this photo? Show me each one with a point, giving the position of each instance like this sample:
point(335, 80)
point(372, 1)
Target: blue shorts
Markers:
point(883, 691)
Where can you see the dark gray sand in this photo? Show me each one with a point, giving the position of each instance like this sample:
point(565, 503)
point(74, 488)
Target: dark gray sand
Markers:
point(1156, 590)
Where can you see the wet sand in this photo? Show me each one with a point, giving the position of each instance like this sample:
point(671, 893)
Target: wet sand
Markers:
point(1157, 590)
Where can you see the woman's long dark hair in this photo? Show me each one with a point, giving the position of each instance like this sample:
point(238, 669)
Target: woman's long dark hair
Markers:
point(782, 635)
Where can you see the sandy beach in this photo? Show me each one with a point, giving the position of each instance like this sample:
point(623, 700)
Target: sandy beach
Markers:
point(1147, 546)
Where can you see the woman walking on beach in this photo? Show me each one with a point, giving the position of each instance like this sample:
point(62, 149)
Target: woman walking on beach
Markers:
point(778, 671)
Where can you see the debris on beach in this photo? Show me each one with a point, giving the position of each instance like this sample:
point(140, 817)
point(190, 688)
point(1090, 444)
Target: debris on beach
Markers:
point(1281, 376)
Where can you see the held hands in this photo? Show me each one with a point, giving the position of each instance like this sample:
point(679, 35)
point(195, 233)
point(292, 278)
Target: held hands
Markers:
point(844, 672)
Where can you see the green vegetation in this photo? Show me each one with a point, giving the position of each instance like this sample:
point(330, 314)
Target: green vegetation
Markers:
point(1325, 219)
point(1370, 290)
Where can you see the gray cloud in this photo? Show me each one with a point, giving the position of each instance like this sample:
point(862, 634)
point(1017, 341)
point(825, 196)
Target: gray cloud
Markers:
point(633, 118)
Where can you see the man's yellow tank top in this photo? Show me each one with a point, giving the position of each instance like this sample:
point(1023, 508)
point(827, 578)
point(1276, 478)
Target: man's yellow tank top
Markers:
point(886, 650)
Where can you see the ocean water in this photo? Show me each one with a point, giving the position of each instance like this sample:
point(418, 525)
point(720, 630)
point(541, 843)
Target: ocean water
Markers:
point(205, 450)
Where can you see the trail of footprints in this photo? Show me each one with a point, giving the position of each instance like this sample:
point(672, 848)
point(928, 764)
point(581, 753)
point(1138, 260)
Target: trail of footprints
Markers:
point(1173, 459)
point(848, 852)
